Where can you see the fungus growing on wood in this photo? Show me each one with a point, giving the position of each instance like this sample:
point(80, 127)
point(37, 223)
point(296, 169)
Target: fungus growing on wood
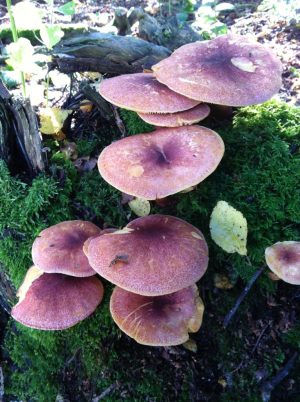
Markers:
point(58, 249)
point(142, 93)
point(56, 301)
point(160, 320)
point(185, 118)
point(161, 163)
point(283, 258)
point(151, 256)
point(229, 70)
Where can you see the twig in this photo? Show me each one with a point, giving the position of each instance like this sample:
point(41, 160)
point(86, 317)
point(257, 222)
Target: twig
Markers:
point(119, 122)
point(268, 386)
point(105, 392)
point(242, 296)
point(259, 338)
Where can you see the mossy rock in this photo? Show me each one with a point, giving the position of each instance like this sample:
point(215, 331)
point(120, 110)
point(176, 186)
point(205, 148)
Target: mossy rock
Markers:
point(259, 175)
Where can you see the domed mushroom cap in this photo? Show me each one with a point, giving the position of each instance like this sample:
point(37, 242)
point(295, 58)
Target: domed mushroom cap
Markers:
point(161, 163)
point(151, 256)
point(229, 70)
point(141, 92)
point(283, 258)
point(57, 301)
point(59, 248)
point(160, 320)
point(178, 119)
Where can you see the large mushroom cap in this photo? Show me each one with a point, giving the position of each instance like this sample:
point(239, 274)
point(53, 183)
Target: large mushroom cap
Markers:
point(59, 248)
point(143, 93)
point(229, 70)
point(178, 119)
point(57, 301)
point(161, 163)
point(151, 256)
point(160, 320)
point(283, 258)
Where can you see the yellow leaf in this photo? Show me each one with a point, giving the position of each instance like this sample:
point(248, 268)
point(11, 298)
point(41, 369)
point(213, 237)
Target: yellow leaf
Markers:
point(140, 206)
point(52, 119)
point(228, 228)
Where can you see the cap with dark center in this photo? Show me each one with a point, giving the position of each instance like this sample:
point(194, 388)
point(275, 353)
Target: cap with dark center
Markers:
point(178, 119)
point(283, 258)
point(161, 163)
point(58, 249)
point(143, 93)
point(151, 256)
point(228, 70)
point(57, 301)
point(160, 320)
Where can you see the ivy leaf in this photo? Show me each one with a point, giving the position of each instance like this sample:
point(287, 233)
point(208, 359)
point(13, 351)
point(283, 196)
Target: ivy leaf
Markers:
point(52, 119)
point(51, 35)
point(228, 228)
point(140, 206)
point(67, 8)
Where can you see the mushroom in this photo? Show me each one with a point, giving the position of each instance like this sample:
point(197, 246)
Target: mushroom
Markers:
point(229, 70)
point(56, 301)
point(283, 258)
point(58, 249)
point(160, 320)
point(161, 163)
point(187, 117)
point(142, 93)
point(152, 256)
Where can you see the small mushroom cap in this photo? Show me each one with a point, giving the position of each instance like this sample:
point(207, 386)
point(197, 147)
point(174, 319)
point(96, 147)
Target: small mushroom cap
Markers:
point(161, 163)
point(152, 256)
point(143, 93)
point(57, 301)
point(59, 248)
point(229, 70)
point(185, 118)
point(283, 258)
point(160, 320)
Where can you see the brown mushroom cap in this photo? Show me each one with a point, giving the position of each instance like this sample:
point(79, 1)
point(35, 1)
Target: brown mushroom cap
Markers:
point(58, 249)
point(160, 320)
point(178, 119)
point(152, 256)
point(283, 258)
point(57, 301)
point(143, 93)
point(229, 70)
point(161, 163)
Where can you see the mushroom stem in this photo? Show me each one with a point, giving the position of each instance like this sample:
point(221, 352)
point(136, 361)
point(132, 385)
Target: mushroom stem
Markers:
point(242, 296)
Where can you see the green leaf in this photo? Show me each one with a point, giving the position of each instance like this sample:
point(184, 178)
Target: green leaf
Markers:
point(228, 228)
point(27, 15)
point(67, 8)
point(224, 7)
point(21, 56)
point(51, 35)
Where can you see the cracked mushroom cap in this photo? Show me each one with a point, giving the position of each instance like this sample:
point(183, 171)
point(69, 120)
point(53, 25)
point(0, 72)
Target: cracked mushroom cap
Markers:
point(158, 320)
point(59, 248)
point(141, 92)
point(185, 118)
point(283, 258)
point(152, 256)
point(229, 70)
point(56, 301)
point(161, 163)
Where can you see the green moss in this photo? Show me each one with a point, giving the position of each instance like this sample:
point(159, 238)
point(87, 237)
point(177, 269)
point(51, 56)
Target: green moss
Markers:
point(259, 175)
point(134, 124)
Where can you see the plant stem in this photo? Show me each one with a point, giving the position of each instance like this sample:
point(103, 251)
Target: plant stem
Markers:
point(15, 39)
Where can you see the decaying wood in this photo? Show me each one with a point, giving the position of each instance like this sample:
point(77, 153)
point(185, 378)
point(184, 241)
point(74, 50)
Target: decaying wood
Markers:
point(102, 105)
point(106, 53)
point(121, 21)
point(19, 133)
point(7, 291)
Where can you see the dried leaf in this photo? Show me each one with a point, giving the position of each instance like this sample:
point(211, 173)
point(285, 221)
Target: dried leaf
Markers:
point(222, 282)
point(140, 206)
point(228, 228)
point(52, 119)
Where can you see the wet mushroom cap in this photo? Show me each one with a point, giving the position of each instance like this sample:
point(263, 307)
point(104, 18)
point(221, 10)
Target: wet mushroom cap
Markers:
point(229, 70)
point(153, 255)
point(143, 93)
point(283, 258)
point(59, 248)
point(159, 320)
point(57, 301)
point(178, 119)
point(161, 163)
